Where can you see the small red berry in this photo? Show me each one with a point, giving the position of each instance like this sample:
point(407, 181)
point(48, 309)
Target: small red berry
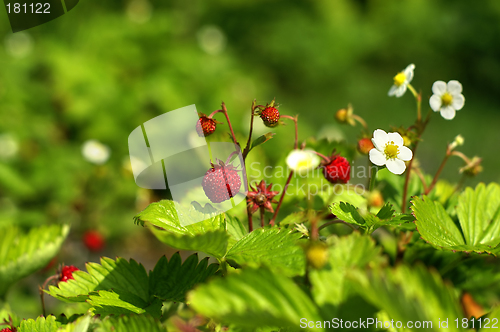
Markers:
point(365, 145)
point(6, 330)
point(205, 126)
point(221, 182)
point(67, 273)
point(337, 170)
point(93, 240)
point(270, 116)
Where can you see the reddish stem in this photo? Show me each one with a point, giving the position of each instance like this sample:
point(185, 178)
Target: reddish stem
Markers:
point(436, 177)
point(281, 199)
point(250, 219)
point(262, 216)
point(322, 156)
point(249, 141)
point(224, 109)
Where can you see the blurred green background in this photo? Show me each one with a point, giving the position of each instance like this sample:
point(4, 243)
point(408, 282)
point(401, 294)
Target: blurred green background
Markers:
point(106, 67)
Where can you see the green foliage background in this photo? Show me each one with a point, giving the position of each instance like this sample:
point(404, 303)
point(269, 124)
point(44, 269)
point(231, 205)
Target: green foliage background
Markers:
point(106, 67)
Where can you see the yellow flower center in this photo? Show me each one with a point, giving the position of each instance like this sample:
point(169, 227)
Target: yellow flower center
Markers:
point(399, 79)
point(304, 163)
point(446, 99)
point(391, 150)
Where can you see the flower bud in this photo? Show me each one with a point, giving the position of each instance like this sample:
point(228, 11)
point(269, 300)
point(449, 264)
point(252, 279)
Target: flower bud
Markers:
point(344, 115)
point(459, 140)
point(365, 145)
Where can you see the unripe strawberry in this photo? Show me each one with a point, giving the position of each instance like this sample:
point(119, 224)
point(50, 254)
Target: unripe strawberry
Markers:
point(270, 116)
point(93, 240)
point(375, 199)
point(205, 126)
point(67, 273)
point(365, 145)
point(337, 170)
point(221, 182)
point(317, 255)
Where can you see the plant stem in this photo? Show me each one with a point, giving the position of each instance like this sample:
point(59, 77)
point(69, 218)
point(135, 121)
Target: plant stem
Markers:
point(224, 109)
point(360, 120)
point(262, 216)
point(249, 141)
point(373, 177)
point(422, 179)
point(271, 222)
point(418, 97)
point(325, 158)
point(440, 169)
point(250, 220)
point(420, 129)
point(336, 221)
point(295, 119)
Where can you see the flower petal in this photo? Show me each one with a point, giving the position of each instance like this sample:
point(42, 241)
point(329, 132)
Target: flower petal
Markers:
point(392, 91)
point(438, 88)
point(405, 153)
point(379, 139)
point(435, 102)
point(454, 87)
point(377, 157)
point(396, 166)
point(409, 72)
point(396, 138)
point(401, 90)
point(448, 112)
point(458, 102)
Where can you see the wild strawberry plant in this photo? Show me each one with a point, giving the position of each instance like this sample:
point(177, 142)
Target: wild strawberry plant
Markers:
point(383, 242)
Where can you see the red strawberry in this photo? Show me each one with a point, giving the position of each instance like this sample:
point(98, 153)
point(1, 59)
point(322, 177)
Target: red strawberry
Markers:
point(270, 116)
point(67, 273)
point(365, 145)
point(337, 170)
point(205, 126)
point(93, 240)
point(6, 330)
point(221, 182)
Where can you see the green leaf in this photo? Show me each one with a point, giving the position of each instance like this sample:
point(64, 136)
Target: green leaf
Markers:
point(133, 323)
point(411, 294)
point(82, 324)
point(494, 320)
point(478, 212)
point(275, 248)
point(123, 287)
point(235, 229)
point(208, 236)
point(348, 213)
point(479, 215)
point(41, 324)
point(254, 298)
point(261, 140)
point(355, 251)
point(369, 222)
point(170, 281)
point(22, 254)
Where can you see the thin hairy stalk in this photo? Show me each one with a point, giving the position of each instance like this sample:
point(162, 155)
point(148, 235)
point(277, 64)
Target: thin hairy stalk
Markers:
point(271, 222)
point(249, 141)
point(262, 216)
point(224, 109)
point(438, 173)
point(336, 221)
point(360, 120)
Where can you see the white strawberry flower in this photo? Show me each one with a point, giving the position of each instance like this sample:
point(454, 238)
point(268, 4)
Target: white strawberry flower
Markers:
point(389, 151)
point(95, 152)
point(447, 98)
point(401, 81)
point(302, 161)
